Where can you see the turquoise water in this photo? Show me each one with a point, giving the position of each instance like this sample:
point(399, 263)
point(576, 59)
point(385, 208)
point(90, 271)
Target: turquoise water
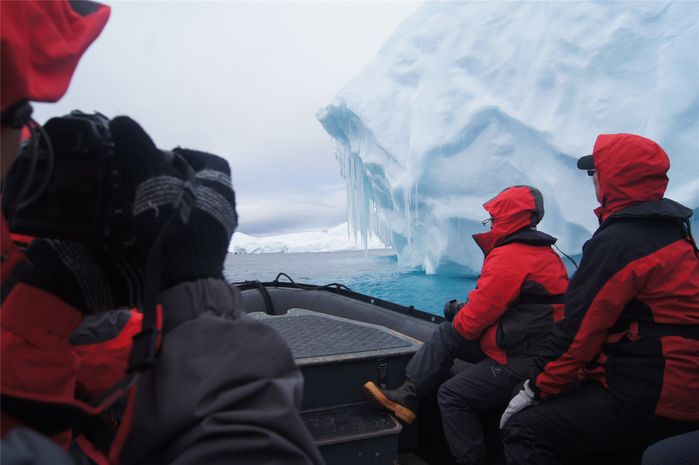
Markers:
point(375, 273)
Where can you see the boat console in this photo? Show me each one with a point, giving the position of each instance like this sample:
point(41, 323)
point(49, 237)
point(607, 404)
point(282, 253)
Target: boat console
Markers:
point(337, 356)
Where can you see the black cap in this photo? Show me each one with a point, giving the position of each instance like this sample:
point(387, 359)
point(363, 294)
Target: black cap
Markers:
point(586, 163)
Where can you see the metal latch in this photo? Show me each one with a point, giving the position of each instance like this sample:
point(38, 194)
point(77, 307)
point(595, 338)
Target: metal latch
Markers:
point(382, 372)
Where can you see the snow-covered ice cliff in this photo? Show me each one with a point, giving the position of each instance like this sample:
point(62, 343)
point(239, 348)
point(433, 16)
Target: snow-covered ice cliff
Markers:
point(466, 99)
point(323, 240)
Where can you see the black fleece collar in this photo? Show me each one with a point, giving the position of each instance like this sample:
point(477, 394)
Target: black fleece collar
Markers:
point(528, 236)
point(658, 209)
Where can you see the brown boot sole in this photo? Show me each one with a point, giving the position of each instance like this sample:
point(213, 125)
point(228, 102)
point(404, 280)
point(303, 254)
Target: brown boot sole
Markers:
point(374, 394)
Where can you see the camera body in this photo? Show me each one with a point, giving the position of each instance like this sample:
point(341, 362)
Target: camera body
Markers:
point(85, 193)
point(451, 309)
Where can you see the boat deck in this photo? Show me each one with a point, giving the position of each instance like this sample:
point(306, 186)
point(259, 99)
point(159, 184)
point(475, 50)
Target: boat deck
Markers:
point(317, 338)
point(336, 357)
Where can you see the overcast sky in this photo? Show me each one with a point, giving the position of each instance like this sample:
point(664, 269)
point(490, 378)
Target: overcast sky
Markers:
point(242, 80)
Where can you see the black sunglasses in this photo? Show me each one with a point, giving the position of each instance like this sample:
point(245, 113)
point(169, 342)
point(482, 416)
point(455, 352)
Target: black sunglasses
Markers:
point(591, 172)
point(489, 220)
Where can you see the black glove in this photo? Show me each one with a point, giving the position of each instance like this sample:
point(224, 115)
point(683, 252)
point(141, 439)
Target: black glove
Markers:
point(90, 277)
point(198, 248)
point(451, 308)
point(95, 278)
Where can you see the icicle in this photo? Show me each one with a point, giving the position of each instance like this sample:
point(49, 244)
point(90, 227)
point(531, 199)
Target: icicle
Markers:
point(417, 207)
point(408, 217)
point(359, 202)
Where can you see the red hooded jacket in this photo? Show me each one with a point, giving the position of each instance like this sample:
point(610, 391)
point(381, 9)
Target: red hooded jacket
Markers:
point(41, 43)
point(519, 293)
point(632, 307)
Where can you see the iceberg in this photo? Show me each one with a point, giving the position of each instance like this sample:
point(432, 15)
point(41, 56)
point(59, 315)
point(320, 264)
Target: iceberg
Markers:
point(322, 240)
point(466, 99)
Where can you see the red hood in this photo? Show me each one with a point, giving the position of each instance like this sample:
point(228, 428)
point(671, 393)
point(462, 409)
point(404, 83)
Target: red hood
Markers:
point(42, 42)
point(512, 209)
point(630, 169)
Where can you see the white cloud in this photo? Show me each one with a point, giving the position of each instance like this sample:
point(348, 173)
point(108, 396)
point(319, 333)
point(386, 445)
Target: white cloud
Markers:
point(285, 213)
point(239, 79)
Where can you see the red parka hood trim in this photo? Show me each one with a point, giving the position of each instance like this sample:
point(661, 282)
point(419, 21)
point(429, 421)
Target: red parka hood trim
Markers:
point(42, 42)
point(630, 169)
point(513, 209)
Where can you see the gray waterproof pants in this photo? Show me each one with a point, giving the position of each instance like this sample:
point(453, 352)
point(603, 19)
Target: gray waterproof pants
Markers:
point(483, 387)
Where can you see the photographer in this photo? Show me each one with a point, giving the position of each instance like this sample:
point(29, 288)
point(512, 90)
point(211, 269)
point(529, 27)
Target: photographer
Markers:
point(203, 383)
point(41, 45)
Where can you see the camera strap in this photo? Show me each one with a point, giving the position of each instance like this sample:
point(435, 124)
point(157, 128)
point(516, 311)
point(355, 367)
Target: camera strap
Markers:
point(145, 343)
point(18, 195)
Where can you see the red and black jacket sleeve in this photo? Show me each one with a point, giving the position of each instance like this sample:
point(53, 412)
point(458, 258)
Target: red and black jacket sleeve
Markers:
point(627, 259)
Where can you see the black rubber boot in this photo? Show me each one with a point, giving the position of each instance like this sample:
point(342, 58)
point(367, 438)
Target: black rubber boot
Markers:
point(402, 402)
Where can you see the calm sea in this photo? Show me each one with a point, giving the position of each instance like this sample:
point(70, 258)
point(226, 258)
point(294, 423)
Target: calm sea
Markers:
point(375, 273)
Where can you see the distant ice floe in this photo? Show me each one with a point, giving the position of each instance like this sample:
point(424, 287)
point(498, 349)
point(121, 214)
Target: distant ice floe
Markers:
point(324, 240)
point(467, 98)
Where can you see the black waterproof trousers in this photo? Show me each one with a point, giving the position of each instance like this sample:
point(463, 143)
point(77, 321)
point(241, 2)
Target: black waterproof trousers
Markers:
point(482, 387)
point(581, 426)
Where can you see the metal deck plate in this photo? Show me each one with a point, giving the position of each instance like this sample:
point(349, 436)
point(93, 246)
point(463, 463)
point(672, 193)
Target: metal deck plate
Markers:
point(349, 423)
point(312, 335)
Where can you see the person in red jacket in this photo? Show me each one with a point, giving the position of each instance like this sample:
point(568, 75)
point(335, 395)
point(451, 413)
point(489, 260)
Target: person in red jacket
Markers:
point(68, 327)
point(621, 370)
point(506, 320)
point(41, 44)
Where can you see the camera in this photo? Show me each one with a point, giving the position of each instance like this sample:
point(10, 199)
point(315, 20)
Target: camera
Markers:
point(451, 308)
point(68, 184)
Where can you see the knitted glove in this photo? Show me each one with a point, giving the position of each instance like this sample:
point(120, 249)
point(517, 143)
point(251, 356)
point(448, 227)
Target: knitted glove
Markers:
point(198, 248)
point(91, 278)
point(95, 278)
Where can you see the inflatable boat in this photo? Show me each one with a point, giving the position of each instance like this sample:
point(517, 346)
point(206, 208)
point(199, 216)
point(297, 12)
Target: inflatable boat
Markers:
point(341, 339)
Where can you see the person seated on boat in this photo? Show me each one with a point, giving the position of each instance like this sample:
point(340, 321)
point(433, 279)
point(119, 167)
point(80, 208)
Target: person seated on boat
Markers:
point(622, 368)
point(212, 385)
point(506, 320)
